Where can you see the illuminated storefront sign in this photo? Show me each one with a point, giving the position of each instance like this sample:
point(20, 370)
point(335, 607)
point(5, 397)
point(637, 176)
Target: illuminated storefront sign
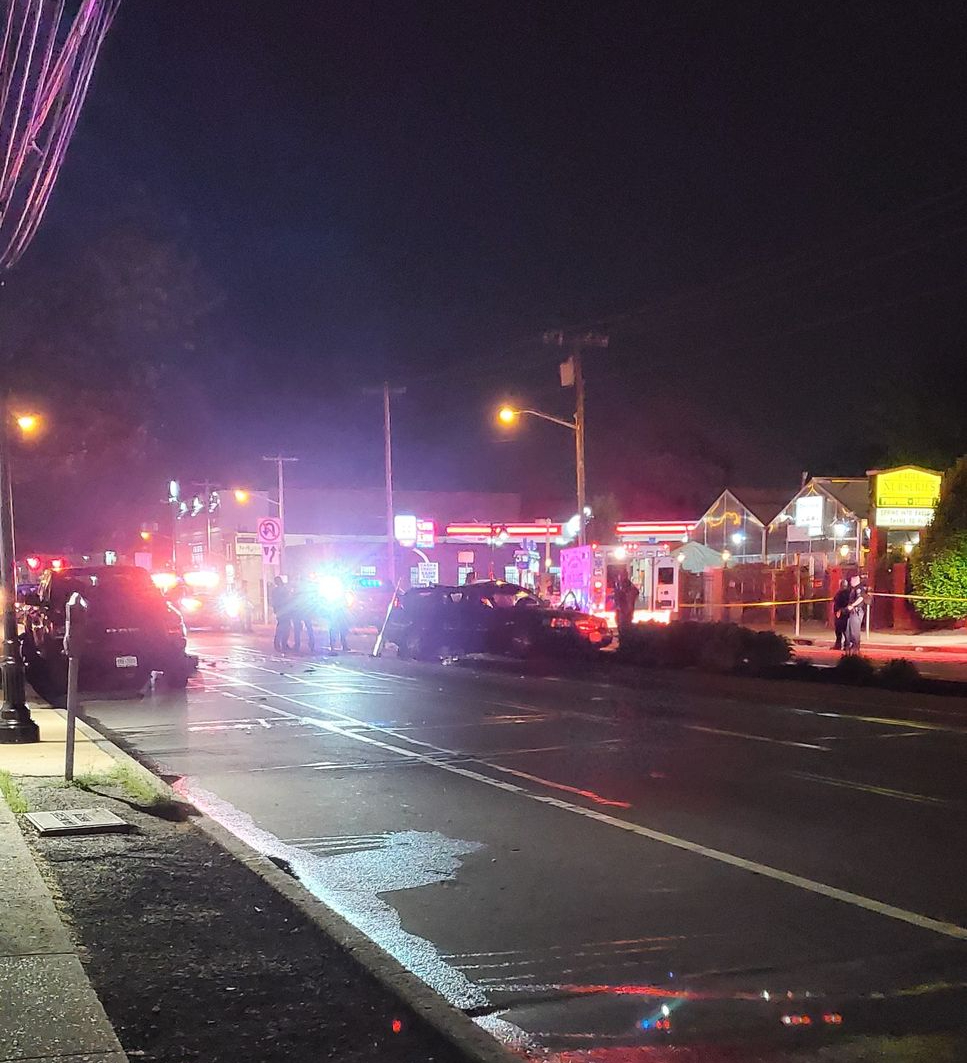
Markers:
point(906, 497)
point(907, 488)
point(809, 514)
point(903, 516)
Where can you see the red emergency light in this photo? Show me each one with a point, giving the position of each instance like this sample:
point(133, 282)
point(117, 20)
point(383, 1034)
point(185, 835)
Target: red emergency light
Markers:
point(57, 563)
point(536, 530)
point(33, 563)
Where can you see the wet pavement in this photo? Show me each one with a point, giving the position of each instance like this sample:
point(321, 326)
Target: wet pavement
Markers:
point(695, 868)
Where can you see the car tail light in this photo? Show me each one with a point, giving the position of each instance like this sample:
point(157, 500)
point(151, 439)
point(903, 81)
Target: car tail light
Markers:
point(560, 621)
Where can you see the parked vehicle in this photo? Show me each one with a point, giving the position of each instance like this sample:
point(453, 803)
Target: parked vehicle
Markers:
point(131, 632)
point(489, 617)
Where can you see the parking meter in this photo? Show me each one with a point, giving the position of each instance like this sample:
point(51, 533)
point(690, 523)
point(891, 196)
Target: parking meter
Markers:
point(76, 625)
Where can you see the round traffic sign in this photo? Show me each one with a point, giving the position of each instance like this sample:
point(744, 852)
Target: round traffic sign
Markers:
point(269, 531)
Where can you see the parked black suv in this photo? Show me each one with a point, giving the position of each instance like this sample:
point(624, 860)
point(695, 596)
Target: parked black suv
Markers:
point(488, 617)
point(131, 631)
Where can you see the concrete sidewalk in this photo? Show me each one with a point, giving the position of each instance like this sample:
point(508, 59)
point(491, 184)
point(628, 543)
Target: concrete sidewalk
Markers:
point(46, 757)
point(899, 641)
point(48, 1010)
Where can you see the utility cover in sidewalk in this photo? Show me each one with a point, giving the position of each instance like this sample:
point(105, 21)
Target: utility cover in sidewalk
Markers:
point(77, 821)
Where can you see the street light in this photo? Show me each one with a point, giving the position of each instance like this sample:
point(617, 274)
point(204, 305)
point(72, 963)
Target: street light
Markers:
point(241, 495)
point(509, 415)
point(16, 724)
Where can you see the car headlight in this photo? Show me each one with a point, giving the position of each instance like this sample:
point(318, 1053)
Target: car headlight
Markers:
point(231, 606)
point(190, 605)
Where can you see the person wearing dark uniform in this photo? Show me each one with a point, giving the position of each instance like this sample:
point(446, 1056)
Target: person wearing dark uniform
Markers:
point(840, 615)
point(855, 610)
point(282, 607)
point(625, 597)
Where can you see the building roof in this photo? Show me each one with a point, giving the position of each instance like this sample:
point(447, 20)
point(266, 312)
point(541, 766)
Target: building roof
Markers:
point(763, 503)
point(851, 492)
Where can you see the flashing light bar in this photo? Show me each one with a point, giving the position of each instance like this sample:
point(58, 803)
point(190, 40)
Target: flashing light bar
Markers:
point(514, 531)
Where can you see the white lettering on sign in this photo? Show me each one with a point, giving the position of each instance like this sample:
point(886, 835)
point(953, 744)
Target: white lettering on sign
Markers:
point(903, 516)
point(269, 531)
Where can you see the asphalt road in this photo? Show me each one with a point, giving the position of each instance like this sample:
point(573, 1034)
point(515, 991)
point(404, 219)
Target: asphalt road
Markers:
point(771, 870)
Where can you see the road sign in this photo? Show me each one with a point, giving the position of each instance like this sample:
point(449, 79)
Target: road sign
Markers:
point(269, 531)
point(244, 549)
point(428, 572)
point(271, 554)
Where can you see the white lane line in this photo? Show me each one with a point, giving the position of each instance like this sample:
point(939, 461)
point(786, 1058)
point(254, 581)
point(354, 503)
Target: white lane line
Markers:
point(754, 738)
point(879, 791)
point(869, 904)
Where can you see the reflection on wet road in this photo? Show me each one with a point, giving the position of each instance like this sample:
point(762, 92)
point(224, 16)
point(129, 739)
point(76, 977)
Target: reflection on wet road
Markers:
point(603, 871)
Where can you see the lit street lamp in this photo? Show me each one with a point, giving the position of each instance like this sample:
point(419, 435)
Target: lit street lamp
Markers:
point(16, 724)
point(509, 415)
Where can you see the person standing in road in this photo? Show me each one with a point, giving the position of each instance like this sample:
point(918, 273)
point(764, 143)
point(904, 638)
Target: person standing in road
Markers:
point(303, 602)
point(625, 597)
point(282, 607)
point(339, 624)
point(855, 612)
point(840, 615)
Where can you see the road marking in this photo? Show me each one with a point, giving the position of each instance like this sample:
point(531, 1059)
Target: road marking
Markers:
point(880, 791)
point(754, 738)
point(869, 904)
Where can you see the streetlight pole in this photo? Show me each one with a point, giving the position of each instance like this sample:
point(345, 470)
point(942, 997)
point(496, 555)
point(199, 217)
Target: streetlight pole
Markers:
point(279, 462)
point(388, 467)
point(16, 724)
point(579, 441)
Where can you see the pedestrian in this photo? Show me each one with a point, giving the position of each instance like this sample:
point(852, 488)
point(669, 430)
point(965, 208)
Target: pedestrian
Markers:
point(855, 612)
point(840, 615)
point(339, 624)
point(625, 597)
point(304, 606)
point(470, 576)
point(282, 607)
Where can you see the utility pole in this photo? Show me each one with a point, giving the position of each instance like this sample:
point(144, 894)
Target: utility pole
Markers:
point(572, 375)
point(387, 392)
point(279, 461)
point(388, 466)
point(579, 441)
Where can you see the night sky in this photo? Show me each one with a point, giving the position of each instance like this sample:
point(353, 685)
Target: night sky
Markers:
point(764, 204)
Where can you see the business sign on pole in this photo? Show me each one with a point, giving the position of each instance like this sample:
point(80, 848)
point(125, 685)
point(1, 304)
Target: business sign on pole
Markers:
point(405, 529)
point(246, 549)
point(269, 531)
point(425, 534)
point(906, 497)
point(903, 517)
point(907, 488)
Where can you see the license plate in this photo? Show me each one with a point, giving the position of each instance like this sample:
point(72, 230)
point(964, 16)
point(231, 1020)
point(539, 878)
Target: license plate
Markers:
point(126, 662)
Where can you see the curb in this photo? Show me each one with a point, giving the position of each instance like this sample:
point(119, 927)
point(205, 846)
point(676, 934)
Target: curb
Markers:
point(451, 1023)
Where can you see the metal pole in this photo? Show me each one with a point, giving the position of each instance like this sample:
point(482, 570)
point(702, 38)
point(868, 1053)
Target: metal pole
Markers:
point(206, 487)
point(73, 668)
point(579, 440)
point(798, 597)
point(16, 724)
point(281, 464)
point(279, 461)
point(388, 456)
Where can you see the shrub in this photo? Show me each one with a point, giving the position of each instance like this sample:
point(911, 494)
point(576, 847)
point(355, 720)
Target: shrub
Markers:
point(858, 671)
point(899, 674)
point(716, 647)
point(940, 571)
point(766, 649)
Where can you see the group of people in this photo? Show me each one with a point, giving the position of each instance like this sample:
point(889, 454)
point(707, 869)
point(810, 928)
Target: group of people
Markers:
point(296, 605)
point(849, 610)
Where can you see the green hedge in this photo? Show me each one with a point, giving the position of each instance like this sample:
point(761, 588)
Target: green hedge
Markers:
point(940, 571)
point(713, 647)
